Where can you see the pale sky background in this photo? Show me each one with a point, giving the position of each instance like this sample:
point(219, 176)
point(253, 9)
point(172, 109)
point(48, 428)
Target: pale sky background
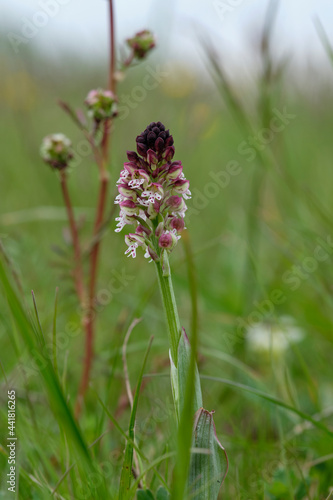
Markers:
point(81, 25)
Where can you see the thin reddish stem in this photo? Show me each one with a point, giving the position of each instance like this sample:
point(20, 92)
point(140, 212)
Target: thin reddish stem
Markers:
point(98, 224)
point(102, 161)
point(111, 84)
point(112, 81)
point(78, 273)
point(89, 321)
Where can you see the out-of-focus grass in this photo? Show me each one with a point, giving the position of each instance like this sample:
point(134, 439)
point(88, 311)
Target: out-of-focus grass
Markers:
point(272, 453)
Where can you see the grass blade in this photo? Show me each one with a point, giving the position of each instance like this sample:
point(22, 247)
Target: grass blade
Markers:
point(271, 399)
point(126, 473)
point(45, 370)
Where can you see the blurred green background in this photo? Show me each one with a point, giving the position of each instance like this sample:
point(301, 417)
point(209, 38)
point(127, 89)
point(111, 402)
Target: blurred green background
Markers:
point(246, 234)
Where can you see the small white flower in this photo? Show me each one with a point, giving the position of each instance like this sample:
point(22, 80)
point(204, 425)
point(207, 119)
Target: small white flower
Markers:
point(121, 223)
point(145, 203)
point(119, 198)
point(136, 183)
point(151, 196)
point(275, 337)
point(147, 255)
point(131, 251)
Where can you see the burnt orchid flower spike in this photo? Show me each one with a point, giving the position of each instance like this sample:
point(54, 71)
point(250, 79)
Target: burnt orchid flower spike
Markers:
point(56, 150)
point(152, 194)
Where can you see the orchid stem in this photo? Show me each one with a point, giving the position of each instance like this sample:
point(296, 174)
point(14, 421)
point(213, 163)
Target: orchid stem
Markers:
point(171, 311)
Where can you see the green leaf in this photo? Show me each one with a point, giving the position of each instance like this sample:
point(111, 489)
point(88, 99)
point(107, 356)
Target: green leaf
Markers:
point(209, 462)
point(144, 495)
point(162, 494)
point(179, 377)
point(126, 473)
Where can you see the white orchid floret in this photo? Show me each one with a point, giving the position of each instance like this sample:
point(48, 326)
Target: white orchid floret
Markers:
point(133, 241)
point(154, 192)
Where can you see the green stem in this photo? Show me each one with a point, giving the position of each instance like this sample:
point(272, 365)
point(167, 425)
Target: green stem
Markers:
point(170, 308)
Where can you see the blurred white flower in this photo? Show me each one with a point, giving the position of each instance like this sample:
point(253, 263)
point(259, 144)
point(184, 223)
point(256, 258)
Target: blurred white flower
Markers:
point(274, 337)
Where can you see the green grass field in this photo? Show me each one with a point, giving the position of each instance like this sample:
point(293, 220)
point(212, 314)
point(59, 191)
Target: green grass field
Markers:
point(260, 230)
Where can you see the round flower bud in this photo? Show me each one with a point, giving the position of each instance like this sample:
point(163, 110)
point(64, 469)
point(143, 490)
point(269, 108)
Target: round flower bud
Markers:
point(174, 202)
point(177, 224)
point(129, 208)
point(180, 186)
point(175, 170)
point(167, 240)
point(101, 104)
point(159, 229)
point(132, 156)
point(141, 43)
point(134, 238)
point(56, 150)
point(169, 153)
point(142, 230)
point(126, 192)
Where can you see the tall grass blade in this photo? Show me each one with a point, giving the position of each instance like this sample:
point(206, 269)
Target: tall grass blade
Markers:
point(126, 473)
point(45, 370)
point(273, 400)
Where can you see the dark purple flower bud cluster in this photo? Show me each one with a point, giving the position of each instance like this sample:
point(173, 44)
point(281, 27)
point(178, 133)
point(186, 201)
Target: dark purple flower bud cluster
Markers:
point(156, 139)
point(141, 43)
point(152, 193)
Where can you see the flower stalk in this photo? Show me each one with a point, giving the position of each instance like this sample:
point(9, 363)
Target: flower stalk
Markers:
point(78, 273)
point(170, 309)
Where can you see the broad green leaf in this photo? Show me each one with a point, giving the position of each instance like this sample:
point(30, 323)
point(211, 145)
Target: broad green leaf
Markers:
point(162, 494)
point(209, 462)
point(179, 376)
point(144, 495)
